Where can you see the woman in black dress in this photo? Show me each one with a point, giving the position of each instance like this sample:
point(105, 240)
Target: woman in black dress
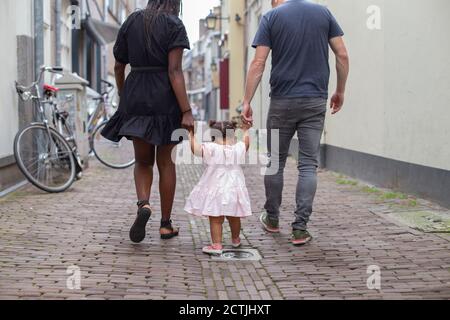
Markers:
point(153, 103)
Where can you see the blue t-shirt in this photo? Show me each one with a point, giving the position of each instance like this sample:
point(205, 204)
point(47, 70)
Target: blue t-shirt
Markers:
point(298, 32)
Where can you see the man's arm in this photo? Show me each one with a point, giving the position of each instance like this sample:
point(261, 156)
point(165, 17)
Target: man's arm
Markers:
point(254, 76)
point(342, 67)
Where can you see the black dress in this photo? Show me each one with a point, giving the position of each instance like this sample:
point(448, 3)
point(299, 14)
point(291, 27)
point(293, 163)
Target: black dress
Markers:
point(148, 106)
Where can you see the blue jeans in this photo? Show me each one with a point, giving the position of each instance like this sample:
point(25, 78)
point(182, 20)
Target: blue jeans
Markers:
point(306, 116)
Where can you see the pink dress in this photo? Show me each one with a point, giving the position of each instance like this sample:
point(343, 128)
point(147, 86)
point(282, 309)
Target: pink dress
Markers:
point(221, 190)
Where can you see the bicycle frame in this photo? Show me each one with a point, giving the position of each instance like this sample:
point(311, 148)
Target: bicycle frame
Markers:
point(100, 110)
point(58, 119)
point(97, 115)
point(26, 93)
point(33, 93)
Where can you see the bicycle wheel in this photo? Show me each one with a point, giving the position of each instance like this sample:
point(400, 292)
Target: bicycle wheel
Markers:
point(45, 159)
point(116, 155)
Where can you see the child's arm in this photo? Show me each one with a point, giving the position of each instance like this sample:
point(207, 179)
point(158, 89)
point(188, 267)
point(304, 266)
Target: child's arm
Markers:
point(246, 136)
point(196, 148)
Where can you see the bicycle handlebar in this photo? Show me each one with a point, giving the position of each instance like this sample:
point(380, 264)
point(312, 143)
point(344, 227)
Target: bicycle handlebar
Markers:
point(110, 87)
point(107, 83)
point(52, 69)
point(24, 91)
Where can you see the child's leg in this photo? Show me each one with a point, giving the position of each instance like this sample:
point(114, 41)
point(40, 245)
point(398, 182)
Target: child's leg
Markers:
point(216, 224)
point(235, 226)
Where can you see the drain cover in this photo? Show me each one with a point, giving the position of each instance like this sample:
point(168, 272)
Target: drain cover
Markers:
point(239, 255)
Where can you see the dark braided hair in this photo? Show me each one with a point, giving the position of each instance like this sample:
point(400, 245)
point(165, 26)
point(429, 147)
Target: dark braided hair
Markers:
point(154, 8)
point(227, 129)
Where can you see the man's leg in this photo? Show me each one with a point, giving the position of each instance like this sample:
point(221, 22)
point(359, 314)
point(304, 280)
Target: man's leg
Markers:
point(279, 124)
point(309, 132)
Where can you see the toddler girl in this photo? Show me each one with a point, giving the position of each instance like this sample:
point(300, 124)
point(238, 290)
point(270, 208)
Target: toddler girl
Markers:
point(221, 191)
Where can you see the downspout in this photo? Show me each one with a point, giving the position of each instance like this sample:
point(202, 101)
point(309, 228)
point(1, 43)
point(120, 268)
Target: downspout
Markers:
point(38, 26)
point(76, 34)
point(104, 48)
point(38, 35)
point(58, 47)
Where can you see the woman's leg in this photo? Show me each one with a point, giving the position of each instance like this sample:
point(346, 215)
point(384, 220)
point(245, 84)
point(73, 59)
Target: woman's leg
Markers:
point(167, 182)
point(216, 225)
point(235, 226)
point(143, 170)
point(143, 176)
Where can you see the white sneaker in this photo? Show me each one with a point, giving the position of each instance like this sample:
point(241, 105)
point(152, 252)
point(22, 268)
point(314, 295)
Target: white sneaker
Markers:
point(214, 249)
point(236, 245)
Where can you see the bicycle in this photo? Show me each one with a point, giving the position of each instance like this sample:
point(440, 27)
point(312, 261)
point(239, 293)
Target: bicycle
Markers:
point(46, 151)
point(116, 155)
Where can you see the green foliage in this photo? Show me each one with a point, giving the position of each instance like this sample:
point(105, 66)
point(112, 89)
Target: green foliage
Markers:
point(371, 190)
point(346, 182)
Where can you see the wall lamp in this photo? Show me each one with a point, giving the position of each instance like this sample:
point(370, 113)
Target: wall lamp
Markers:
point(211, 20)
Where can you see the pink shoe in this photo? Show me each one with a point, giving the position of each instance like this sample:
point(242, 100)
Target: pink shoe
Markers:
point(236, 243)
point(215, 249)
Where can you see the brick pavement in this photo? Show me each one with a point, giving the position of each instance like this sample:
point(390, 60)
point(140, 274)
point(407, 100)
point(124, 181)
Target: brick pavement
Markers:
point(41, 235)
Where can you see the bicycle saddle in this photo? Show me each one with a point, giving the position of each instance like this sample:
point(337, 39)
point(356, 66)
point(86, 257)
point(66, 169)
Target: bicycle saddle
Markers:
point(50, 88)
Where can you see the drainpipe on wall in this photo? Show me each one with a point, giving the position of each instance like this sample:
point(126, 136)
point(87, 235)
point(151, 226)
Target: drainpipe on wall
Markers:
point(58, 47)
point(38, 35)
point(75, 47)
point(103, 49)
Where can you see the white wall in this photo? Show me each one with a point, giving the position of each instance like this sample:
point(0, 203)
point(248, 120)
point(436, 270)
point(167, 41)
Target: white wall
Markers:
point(397, 102)
point(15, 19)
point(66, 37)
point(399, 88)
point(50, 37)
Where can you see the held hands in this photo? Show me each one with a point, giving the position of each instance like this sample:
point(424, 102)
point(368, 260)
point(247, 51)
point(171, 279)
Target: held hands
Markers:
point(188, 121)
point(337, 101)
point(246, 126)
point(247, 115)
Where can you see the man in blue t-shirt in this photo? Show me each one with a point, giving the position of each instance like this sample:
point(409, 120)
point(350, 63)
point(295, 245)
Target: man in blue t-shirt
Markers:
point(299, 34)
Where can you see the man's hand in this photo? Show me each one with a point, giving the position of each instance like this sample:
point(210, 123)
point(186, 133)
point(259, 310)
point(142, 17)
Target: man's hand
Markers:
point(247, 114)
point(188, 121)
point(337, 101)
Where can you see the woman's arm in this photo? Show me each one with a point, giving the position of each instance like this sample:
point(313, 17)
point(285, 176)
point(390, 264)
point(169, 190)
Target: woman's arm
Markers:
point(119, 71)
point(179, 86)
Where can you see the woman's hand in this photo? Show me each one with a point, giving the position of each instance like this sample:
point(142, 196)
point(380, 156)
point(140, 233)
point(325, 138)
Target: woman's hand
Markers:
point(188, 121)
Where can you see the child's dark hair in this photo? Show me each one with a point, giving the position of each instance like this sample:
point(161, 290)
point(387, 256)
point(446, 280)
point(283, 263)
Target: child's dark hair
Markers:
point(227, 129)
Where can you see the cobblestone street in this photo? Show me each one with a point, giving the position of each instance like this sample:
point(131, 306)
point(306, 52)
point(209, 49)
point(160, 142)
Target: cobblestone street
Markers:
point(41, 235)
